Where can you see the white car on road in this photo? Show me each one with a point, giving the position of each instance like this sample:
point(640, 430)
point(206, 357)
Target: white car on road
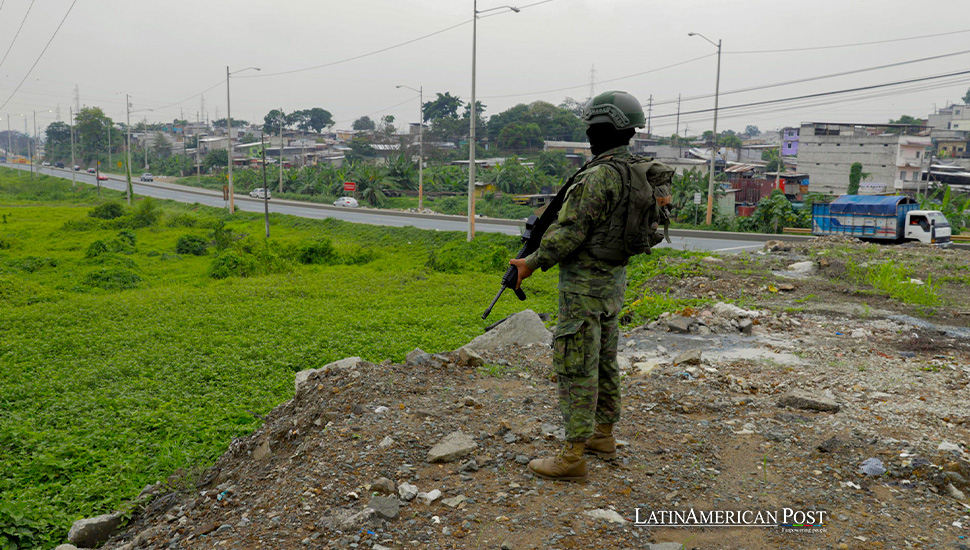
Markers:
point(349, 202)
point(147, 177)
point(260, 193)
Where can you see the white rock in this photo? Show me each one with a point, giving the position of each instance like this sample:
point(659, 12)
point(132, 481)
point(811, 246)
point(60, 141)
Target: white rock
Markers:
point(386, 442)
point(452, 447)
point(522, 329)
point(407, 492)
point(645, 368)
point(344, 364)
point(731, 310)
point(803, 267)
point(429, 497)
point(955, 493)
point(947, 446)
point(608, 515)
point(381, 410)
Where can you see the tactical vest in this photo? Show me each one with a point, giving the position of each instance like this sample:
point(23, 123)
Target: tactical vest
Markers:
point(633, 226)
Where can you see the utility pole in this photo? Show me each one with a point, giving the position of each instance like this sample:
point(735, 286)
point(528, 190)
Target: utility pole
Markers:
point(281, 149)
point(73, 164)
point(473, 115)
point(128, 189)
point(110, 125)
point(144, 142)
point(35, 146)
point(262, 140)
point(30, 159)
point(649, 113)
point(9, 150)
point(232, 204)
point(421, 149)
point(680, 150)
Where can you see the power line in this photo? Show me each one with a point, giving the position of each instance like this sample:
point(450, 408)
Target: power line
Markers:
point(814, 78)
point(935, 35)
point(603, 81)
point(18, 32)
point(59, 25)
point(822, 94)
point(382, 50)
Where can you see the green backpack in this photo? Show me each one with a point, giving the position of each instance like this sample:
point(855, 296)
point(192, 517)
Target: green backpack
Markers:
point(634, 226)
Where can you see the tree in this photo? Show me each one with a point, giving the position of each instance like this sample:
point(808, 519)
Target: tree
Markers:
point(58, 134)
point(520, 137)
point(272, 121)
point(249, 138)
point(387, 125)
point(555, 123)
point(573, 106)
point(906, 119)
point(319, 119)
point(236, 123)
point(966, 98)
point(751, 130)
point(444, 106)
point(364, 123)
point(554, 163)
point(160, 145)
point(774, 161)
point(92, 129)
point(360, 149)
point(219, 157)
point(856, 175)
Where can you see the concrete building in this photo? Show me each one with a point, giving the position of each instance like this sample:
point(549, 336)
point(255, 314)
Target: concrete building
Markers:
point(891, 154)
point(943, 119)
point(576, 151)
point(789, 141)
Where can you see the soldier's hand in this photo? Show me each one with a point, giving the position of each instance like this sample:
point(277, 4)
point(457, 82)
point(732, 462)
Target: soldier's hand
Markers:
point(663, 201)
point(524, 271)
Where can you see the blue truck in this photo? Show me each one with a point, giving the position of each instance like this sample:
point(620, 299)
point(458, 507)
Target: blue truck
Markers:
point(880, 218)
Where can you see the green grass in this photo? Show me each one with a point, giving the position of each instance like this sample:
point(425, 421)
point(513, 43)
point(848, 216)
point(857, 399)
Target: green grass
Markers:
point(121, 363)
point(893, 280)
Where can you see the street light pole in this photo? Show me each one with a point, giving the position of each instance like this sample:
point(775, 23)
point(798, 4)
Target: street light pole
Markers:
point(420, 91)
point(35, 147)
point(473, 118)
point(128, 190)
point(73, 162)
point(232, 203)
point(717, 89)
point(281, 150)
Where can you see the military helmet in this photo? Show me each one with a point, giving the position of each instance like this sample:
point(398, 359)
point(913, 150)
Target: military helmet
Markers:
point(620, 109)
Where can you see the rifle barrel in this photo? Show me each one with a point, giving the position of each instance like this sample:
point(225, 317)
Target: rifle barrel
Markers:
point(494, 301)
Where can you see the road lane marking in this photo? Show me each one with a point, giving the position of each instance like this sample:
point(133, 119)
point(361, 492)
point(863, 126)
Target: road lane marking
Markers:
point(738, 248)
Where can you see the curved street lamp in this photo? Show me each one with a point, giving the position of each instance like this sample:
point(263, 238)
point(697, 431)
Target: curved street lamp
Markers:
point(717, 89)
point(473, 117)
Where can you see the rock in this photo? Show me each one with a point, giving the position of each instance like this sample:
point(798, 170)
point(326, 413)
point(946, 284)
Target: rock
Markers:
point(786, 287)
point(830, 445)
point(384, 486)
point(806, 268)
point(678, 323)
point(454, 502)
point(521, 459)
point(645, 368)
point(872, 467)
point(712, 260)
point(746, 326)
point(689, 357)
point(521, 329)
point(731, 310)
point(452, 447)
point(91, 532)
point(704, 330)
point(860, 333)
point(801, 399)
point(467, 357)
point(417, 356)
point(470, 465)
point(946, 446)
point(349, 521)
point(65, 547)
point(665, 546)
point(344, 364)
point(510, 437)
point(386, 442)
point(388, 508)
point(262, 451)
point(955, 493)
point(429, 497)
point(381, 410)
point(608, 515)
point(407, 492)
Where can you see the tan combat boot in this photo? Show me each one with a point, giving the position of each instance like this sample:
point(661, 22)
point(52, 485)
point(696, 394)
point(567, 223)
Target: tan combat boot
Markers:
point(602, 444)
point(568, 465)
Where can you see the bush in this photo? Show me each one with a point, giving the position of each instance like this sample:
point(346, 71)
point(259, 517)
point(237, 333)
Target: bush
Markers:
point(319, 252)
point(183, 219)
point(6, 243)
point(191, 244)
point(113, 278)
point(359, 256)
point(97, 248)
point(487, 253)
point(108, 211)
point(231, 264)
point(127, 237)
point(31, 264)
point(19, 530)
point(222, 236)
point(146, 214)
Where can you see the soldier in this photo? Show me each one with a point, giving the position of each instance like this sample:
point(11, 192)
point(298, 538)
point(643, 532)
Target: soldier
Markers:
point(591, 290)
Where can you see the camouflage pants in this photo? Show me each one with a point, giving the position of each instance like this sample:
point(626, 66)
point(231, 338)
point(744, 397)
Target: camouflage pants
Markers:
point(584, 359)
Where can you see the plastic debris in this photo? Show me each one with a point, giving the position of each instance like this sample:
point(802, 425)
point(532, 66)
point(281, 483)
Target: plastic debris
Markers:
point(872, 467)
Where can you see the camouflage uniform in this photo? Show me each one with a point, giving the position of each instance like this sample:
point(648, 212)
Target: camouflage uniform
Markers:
point(591, 294)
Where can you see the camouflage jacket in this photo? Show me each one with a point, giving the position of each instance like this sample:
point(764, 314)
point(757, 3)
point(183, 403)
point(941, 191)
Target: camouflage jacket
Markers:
point(589, 202)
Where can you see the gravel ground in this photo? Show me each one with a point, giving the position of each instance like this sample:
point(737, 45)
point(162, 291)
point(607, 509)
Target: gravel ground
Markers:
point(786, 399)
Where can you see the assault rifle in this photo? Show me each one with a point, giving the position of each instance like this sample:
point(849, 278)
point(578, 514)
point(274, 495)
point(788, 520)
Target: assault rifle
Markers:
point(535, 228)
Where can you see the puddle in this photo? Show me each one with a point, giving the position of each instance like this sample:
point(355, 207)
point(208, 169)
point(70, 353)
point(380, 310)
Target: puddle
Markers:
point(953, 332)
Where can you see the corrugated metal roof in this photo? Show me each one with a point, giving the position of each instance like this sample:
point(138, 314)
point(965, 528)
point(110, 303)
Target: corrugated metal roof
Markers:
point(740, 168)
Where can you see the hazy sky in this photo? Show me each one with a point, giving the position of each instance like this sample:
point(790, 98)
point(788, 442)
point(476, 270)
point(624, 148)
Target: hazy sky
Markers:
point(165, 53)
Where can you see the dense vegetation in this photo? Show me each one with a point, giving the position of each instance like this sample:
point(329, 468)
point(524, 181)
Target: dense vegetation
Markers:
point(139, 341)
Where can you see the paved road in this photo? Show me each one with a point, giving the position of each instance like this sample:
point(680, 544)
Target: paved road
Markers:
point(725, 242)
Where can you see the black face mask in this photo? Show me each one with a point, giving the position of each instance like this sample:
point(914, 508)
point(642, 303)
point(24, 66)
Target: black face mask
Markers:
point(603, 137)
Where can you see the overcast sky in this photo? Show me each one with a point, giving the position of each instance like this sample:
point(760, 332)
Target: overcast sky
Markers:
point(165, 52)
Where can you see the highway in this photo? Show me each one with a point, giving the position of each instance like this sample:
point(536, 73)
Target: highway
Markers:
point(681, 239)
